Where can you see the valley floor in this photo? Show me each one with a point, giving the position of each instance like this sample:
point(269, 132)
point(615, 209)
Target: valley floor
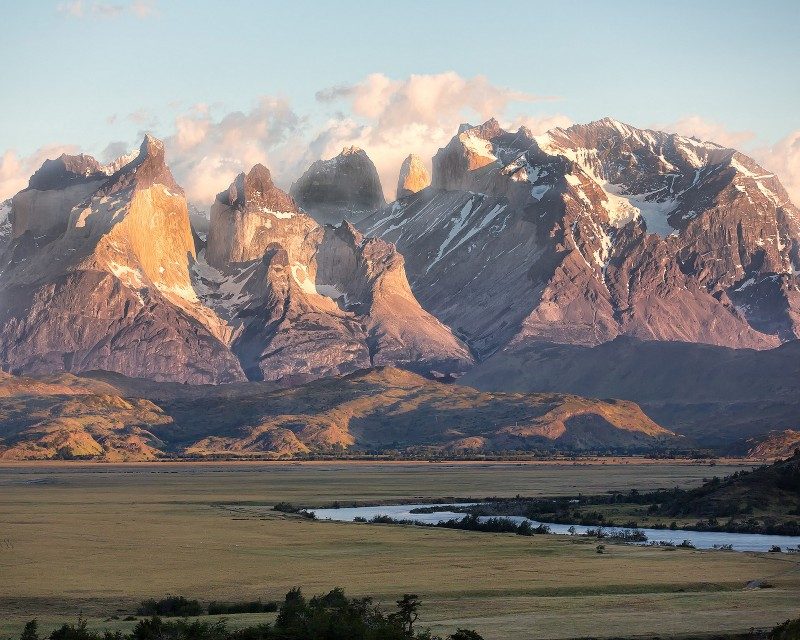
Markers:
point(100, 538)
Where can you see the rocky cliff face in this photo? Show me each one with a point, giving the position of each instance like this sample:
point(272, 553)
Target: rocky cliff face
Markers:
point(346, 187)
point(96, 275)
point(414, 176)
point(598, 230)
point(305, 300)
point(5, 224)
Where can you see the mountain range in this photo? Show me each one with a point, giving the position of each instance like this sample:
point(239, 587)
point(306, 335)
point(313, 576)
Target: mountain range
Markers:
point(640, 258)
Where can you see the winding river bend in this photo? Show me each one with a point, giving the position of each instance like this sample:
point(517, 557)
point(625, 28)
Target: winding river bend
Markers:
point(700, 539)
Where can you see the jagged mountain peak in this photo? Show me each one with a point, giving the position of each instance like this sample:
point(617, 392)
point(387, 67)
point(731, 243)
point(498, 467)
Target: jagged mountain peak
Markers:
point(608, 229)
point(489, 129)
point(146, 168)
point(344, 187)
point(352, 150)
point(64, 171)
point(414, 176)
point(257, 190)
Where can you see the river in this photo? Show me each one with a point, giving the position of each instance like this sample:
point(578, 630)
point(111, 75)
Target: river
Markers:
point(700, 539)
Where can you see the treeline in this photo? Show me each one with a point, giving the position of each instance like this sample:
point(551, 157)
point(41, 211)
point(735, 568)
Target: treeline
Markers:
point(727, 505)
point(332, 616)
point(469, 522)
point(577, 511)
point(180, 607)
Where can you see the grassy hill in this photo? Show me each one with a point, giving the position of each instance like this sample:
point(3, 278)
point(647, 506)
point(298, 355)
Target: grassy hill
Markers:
point(763, 500)
point(768, 492)
point(716, 396)
point(110, 417)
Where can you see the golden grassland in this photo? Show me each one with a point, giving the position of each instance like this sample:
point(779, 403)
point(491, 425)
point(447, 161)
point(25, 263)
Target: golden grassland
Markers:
point(100, 538)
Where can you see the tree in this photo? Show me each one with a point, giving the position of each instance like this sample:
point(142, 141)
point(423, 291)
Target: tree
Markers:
point(292, 609)
point(407, 611)
point(31, 631)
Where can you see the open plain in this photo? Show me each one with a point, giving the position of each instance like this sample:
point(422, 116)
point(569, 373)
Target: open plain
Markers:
point(98, 539)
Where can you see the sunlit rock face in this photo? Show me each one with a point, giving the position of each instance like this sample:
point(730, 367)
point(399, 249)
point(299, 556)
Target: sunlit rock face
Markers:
point(96, 275)
point(346, 187)
point(100, 269)
point(599, 230)
point(414, 176)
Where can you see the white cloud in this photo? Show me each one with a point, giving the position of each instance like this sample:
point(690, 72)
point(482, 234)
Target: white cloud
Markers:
point(15, 171)
point(105, 9)
point(707, 131)
point(144, 8)
point(206, 154)
point(391, 118)
point(784, 159)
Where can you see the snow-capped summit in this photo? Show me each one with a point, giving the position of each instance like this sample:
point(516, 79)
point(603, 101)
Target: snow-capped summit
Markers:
point(585, 233)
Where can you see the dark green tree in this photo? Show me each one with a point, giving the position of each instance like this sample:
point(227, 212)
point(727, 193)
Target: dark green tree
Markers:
point(31, 631)
point(292, 609)
point(408, 611)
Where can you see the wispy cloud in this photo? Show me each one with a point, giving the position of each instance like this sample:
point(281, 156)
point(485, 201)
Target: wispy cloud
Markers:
point(105, 9)
point(391, 118)
point(707, 130)
point(16, 170)
point(784, 159)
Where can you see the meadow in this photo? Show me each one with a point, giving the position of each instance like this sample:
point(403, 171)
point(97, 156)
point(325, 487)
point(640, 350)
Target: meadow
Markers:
point(98, 539)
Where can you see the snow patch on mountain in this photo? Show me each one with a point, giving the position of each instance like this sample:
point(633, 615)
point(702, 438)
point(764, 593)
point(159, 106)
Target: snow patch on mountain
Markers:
point(130, 277)
point(303, 280)
point(223, 293)
point(280, 215)
point(463, 221)
point(477, 146)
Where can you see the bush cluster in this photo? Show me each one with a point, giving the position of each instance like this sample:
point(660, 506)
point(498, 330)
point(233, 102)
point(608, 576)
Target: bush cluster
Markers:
point(332, 616)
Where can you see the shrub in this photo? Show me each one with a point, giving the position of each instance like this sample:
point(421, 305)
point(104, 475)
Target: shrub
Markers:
point(789, 630)
point(170, 607)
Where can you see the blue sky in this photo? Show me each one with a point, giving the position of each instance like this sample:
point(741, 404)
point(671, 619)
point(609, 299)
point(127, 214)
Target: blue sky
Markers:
point(87, 73)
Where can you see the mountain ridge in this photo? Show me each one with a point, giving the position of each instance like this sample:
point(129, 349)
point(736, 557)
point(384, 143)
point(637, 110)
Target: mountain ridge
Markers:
point(523, 238)
point(110, 417)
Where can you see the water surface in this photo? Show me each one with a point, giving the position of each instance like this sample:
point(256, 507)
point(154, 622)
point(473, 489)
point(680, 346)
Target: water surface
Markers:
point(700, 539)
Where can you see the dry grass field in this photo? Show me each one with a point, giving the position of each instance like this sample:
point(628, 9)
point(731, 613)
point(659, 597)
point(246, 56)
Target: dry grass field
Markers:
point(100, 538)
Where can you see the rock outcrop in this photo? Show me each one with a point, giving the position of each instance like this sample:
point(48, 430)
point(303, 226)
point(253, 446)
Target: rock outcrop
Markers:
point(776, 445)
point(5, 224)
point(306, 301)
point(595, 231)
point(414, 176)
point(346, 187)
point(100, 270)
point(97, 276)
